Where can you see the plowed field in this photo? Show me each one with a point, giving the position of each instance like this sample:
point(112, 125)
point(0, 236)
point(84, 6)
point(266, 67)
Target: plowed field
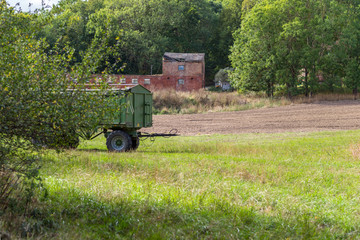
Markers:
point(322, 116)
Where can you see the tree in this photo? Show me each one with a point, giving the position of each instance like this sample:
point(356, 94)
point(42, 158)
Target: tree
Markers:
point(254, 51)
point(35, 104)
point(283, 42)
point(222, 75)
point(147, 29)
point(347, 50)
point(66, 24)
point(229, 20)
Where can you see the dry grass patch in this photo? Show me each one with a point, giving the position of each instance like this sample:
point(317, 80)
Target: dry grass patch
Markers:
point(169, 102)
point(172, 102)
point(324, 97)
point(355, 151)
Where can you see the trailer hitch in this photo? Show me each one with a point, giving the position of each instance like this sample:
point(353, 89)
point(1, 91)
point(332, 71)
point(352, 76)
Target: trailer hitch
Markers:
point(172, 133)
point(103, 131)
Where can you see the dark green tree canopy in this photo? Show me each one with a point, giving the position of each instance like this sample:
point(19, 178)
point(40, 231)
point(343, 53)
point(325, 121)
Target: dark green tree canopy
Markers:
point(147, 29)
point(295, 44)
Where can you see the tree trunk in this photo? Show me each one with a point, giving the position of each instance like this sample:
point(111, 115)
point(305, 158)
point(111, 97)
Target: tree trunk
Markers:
point(355, 92)
point(290, 86)
point(270, 89)
point(306, 83)
point(289, 90)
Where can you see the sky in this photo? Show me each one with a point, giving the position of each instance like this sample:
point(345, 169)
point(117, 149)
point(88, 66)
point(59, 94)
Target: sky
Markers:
point(24, 4)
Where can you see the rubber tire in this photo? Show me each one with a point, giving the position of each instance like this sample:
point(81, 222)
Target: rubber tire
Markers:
point(126, 143)
point(135, 143)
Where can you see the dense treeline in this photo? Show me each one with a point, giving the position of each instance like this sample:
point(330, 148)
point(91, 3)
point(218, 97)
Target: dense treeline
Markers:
point(147, 29)
point(285, 47)
point(278, 46)
point(298, 47)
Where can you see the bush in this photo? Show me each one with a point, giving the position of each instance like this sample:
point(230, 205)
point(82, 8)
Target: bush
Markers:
point(36, 107)
point(223, 75)
point(19, 174)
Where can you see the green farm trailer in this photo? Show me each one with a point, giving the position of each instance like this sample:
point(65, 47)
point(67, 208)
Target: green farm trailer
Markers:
point(122, 129)
point(131, 110)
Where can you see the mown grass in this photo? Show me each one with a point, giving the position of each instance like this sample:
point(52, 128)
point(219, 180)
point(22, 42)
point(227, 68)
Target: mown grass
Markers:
point(249, 186)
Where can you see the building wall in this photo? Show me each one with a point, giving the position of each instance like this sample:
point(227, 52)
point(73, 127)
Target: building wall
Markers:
point(194, 70)
point(157, 82)
point(191, 78)
point(190, 68)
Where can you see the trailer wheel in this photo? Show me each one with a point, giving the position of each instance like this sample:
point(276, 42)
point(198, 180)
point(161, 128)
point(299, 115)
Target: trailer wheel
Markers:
point(135, 143)
point(118, 141)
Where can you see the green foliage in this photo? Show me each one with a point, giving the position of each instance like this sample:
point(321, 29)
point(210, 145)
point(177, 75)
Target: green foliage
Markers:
point(229, 20)
point(296, 44)
point(222, 75)
point(147, 29)
point(19, 178)
point(348, 49)
point(36, 107)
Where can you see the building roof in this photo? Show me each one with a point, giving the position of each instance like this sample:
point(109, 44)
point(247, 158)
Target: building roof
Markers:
point(184, 57)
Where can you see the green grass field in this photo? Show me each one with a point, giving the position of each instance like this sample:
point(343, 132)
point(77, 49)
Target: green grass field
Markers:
point(249, 186)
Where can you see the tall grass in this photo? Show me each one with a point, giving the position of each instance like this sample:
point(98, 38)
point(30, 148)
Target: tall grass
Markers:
point(172, 102)
point(324, 97)
point(249, 186)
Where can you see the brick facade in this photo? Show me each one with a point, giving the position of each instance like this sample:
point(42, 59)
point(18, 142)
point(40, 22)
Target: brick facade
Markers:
point(181, 72)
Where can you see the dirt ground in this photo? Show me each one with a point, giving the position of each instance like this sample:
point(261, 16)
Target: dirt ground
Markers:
point(322, 116)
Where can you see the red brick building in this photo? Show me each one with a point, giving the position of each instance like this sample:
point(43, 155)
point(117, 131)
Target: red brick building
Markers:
point(181, 72)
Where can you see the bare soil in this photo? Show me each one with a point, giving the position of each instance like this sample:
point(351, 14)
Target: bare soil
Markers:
point(322, 116)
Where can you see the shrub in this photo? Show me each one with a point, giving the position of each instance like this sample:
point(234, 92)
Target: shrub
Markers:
point(36, 107)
